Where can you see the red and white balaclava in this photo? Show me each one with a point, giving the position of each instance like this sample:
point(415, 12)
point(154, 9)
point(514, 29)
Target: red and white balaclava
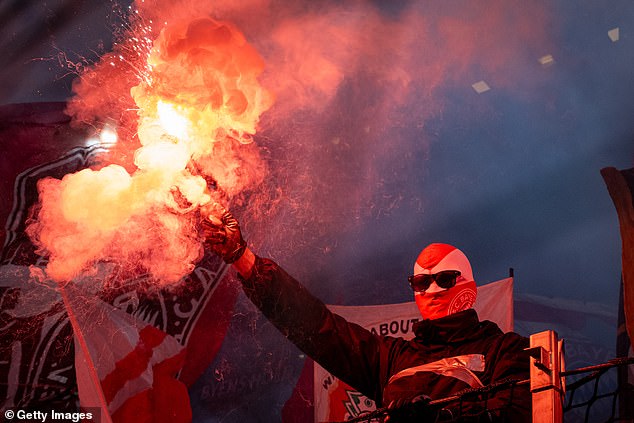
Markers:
point(438, 302)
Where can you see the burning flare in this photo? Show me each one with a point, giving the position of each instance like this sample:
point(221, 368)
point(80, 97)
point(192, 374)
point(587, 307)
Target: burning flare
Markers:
point(199, 102)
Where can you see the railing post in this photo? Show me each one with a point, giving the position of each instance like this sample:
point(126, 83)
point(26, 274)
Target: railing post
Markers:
point(547, 388)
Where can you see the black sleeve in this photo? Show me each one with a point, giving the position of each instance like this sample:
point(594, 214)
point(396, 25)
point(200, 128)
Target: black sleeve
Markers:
point(345, 349)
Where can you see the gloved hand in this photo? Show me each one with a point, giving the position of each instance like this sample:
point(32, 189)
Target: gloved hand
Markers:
point(410, 410)
point(222, 236)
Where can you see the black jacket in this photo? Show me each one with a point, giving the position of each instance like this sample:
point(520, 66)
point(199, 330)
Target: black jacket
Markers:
point(367, 361)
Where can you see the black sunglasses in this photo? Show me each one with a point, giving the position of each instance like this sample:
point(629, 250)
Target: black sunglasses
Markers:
point(445, 279)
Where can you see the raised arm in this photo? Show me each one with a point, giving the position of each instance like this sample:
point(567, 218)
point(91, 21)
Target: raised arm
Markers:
point(348, 351)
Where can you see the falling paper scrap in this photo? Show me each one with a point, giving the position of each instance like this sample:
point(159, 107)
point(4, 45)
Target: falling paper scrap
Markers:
point(614, 34)
point(547, 60)
point(481, 87)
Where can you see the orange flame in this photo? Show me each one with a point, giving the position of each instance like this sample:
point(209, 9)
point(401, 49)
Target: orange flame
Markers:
point(199, 96)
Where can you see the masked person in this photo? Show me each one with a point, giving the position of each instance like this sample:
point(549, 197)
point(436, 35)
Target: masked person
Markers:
point(452, 351)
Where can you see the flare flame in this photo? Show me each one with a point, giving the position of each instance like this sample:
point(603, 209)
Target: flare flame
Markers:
point(199, 102)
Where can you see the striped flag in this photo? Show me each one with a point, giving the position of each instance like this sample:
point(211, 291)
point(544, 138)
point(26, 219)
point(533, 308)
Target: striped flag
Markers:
point(124, 366)
point(129, 346)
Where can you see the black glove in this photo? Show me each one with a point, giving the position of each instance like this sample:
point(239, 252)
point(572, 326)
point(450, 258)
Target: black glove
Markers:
point(223, 236)
point(411, 410)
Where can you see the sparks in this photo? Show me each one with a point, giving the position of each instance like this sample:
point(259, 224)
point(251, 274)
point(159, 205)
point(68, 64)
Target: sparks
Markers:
point(196, 90)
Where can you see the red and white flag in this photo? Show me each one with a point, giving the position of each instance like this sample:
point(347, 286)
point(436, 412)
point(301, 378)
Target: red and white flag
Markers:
point(135, 341)
point(125, 366)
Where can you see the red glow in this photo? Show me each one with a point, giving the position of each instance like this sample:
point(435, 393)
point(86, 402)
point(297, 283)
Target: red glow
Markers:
point(198, 102)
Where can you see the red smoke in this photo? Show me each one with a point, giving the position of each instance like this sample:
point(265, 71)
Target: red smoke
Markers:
point(350, 79)
point(197, 102)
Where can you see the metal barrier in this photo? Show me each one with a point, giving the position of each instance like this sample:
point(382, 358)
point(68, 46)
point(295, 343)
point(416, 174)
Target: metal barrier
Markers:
point(579, 395)
point(591, 398)
point(547, 385)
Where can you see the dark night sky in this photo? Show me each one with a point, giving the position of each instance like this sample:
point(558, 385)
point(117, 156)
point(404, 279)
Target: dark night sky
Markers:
point(398, 150)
